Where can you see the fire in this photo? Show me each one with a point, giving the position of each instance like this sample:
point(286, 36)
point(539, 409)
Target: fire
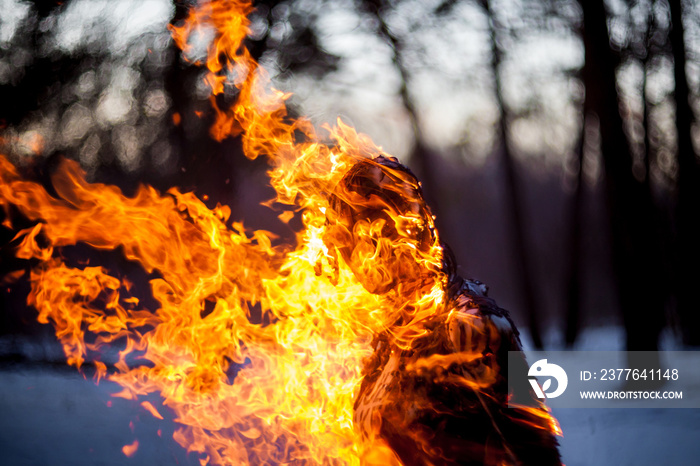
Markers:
point(131, 449)
point(296, 324)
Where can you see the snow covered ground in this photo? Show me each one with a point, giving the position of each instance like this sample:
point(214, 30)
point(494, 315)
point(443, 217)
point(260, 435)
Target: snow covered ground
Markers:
point(630, 436)
point(51, 416)
point(56, 418)
point(640, 436)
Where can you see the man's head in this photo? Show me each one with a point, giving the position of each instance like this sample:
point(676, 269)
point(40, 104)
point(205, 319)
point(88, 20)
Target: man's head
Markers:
point(380, 224)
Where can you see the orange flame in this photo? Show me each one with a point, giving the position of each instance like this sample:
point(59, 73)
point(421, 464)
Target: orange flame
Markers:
point(151, 409)
point(130, 450)
point(348, 279)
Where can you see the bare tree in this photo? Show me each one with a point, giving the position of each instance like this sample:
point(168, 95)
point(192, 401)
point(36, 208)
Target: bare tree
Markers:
point(687, 229)
point(513, 198)
point(637, 256)
point(420, 154)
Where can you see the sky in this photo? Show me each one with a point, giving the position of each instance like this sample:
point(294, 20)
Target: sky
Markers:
point(447, 57)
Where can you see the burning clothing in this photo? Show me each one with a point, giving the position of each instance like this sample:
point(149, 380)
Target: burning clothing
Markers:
point(444, 400)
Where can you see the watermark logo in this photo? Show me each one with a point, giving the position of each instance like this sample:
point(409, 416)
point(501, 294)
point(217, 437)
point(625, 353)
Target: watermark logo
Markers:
point(542, 368)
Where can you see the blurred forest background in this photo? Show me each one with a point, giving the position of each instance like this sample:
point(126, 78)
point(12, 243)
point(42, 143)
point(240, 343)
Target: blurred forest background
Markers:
point(557, 140)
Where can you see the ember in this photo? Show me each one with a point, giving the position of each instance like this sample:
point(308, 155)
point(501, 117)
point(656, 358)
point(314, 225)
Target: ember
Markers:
point(374, 351)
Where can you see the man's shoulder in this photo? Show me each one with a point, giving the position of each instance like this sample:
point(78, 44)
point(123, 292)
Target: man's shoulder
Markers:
point(470, 301)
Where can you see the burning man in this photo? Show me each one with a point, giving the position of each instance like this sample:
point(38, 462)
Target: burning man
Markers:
point(435, 389)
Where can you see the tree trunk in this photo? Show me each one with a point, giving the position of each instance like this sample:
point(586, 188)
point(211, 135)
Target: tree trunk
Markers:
point(636, 245)
point(573, 270)
point(513, 194)
point(687, 229)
